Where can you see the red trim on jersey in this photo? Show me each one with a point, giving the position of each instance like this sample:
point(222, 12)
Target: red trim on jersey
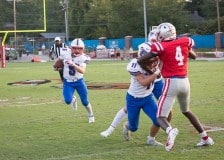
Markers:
point(191, 43)
point(164, 95)
point(158, 46)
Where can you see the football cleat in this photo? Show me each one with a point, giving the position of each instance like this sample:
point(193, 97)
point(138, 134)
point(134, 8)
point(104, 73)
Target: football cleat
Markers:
point(107, 132)
point(153, 142)
point(91, 119)
point(207, 142)
point(126, 132)
point(171, 138)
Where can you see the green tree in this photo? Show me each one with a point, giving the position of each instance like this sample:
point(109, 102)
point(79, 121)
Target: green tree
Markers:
point(126, 18)
point(210, 26)
point(96, 20)
point(169, 11)
point(55, 16)
point(91, 19)
point(77, 11)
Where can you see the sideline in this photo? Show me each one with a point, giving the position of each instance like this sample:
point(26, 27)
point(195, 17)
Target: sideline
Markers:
point(45, 58)
point(209, 59)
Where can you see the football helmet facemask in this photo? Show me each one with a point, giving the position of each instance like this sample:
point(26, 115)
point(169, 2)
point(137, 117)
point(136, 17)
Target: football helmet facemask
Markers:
point(77, 47)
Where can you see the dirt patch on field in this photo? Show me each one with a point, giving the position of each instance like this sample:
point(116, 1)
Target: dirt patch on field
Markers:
point(98, 86)
point(29, 82)
point(108, 86)
point(90, 85)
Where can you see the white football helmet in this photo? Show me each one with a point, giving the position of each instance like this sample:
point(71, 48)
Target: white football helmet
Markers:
point(152, 36)
point(166, 31)
point(78, 43)
point(143, 49)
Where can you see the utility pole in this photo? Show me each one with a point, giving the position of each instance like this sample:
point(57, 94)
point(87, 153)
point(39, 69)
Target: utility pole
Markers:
point(218, 15)
point(14, 11)
point(14, 23)
point(64, 5)
point(145, 21)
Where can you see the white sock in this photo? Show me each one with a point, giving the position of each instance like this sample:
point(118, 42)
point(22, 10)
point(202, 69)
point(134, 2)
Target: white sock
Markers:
point(118, 118)
point(89, 110)
point(203, 134)
point(168, 129)
point(150, 138)
point(111, 128)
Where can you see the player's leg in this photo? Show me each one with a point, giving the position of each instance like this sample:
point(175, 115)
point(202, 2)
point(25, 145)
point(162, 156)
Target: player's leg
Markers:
point(157, 91)
point(184, 101)
point(61, 74)
point(121, 114)
point(133, 109)
point(150, 109)
point(205, 139)
point(165, 104)
point(68, 91)
point(74, 103)
point(151, 138)
point(158, 87)
point(164, 110)
point(82, 90)
point(90, 113)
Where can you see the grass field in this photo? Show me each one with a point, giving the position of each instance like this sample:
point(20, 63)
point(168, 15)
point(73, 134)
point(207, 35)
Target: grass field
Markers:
point(37, 125)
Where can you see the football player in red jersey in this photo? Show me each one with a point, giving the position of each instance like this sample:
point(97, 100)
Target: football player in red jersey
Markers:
point(158, 85)
point(173, 53)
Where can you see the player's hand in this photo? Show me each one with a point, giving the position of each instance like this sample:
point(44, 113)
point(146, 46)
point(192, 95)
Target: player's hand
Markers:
point(50, 56)
point(69, 62)
point(192, 54)
point(55, 68)
point(157, 72)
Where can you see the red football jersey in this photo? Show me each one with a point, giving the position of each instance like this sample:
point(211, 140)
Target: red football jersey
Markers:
point(174, 56)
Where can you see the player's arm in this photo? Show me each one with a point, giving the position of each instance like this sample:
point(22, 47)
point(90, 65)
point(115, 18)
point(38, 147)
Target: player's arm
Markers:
point(50, 53)
point(50, 56)
point(192, 54)
point(145, 80)
point(80, 69)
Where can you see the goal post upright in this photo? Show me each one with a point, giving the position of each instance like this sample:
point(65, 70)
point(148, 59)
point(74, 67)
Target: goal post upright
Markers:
point(5, 32)
point(2, 50)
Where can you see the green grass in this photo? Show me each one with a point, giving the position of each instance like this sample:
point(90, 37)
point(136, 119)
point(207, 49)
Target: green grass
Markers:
point(37, 125)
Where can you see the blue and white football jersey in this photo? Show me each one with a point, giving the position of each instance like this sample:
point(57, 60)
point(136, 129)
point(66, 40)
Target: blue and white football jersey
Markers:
point(135, 88)
point(69, 72)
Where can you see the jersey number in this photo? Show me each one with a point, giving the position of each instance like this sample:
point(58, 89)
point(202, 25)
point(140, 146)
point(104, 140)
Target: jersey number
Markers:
point(179, 57)
point(71, 70)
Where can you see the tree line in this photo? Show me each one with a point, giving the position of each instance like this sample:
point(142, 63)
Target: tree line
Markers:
point(91, 19)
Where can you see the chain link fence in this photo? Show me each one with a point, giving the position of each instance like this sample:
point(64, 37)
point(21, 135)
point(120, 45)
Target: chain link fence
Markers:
point(30, 45)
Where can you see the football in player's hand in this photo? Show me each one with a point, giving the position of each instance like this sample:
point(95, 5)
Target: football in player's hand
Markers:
point(58, 64)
